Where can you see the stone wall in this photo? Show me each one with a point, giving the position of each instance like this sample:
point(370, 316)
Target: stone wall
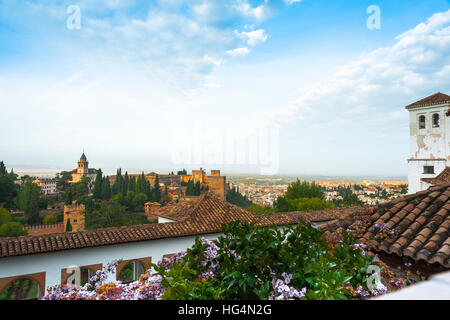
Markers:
point(41, 229)
point(75, 213)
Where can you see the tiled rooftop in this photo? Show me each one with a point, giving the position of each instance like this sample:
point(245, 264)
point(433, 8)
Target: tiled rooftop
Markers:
point(203, 215)
point(179, 211)
point(436, 98)
point(420, 223)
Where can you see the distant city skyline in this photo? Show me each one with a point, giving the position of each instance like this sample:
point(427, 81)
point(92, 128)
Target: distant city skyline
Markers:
point(135, 82)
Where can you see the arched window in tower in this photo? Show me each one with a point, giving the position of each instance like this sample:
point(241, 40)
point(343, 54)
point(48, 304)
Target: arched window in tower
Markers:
point(422, 122)
point(435, 120)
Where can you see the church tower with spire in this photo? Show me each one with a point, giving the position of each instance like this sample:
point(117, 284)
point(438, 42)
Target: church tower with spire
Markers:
point(83, 165)
point(83, 170)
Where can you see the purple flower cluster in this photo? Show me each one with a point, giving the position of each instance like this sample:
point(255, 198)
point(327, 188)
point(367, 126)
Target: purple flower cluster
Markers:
point(362, 293)
point(167, 262)
point(88, 291)
point(361, 247)
point(396, 282)
point(282, 291)
point(210, 255)
point(380, 226)
point(148, 288)
point(379, 290)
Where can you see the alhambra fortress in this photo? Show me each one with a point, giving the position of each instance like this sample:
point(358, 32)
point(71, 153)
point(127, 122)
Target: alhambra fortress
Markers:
point(421, 219)
point(174, 184)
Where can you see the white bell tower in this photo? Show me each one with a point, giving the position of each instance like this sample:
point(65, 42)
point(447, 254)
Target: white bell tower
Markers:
point(429, 130)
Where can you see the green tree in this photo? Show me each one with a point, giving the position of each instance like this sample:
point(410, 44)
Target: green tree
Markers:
point(5, 216)
point(304, 189)
point(148, 190)
point(281, 204)
point(157, 190)
point(3, 168)
point(12, 229)
point(97, 190)
point(8, 189)
point(125, 183)
point(68, 196)
point(236, 198)
point(62, 180)
point(260, 209)
point(197, 188)
point(68, 226)
point(49, 220)
point(112, 214)
point(81, 188)
point(32, 212)
point(134, 185)
point(28, 200)
point(138, 201)
point(118, 183)
point(190, 188)
point(106, 189)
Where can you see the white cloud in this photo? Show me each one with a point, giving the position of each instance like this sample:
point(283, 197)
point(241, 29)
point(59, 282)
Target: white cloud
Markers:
point(252, 38)
point(238, 52)
point(386, 79)
point(289, 2)
point(258, 13)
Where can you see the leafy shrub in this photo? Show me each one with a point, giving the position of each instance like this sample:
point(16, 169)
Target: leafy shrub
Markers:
point(266, 262)
point(49, 219)
point(248, 262)
point(304, 189)
point(12, 229)
point(259, 209)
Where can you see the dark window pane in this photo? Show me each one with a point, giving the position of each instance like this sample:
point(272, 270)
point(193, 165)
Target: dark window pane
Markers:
point(422, 122)
point(20, 289)
point(428, 169)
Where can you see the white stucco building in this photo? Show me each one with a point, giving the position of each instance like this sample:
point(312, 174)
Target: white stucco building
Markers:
point(429, 127)
point(48, 186)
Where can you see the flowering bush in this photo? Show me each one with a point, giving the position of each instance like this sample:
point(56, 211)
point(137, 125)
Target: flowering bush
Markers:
point(248, 262)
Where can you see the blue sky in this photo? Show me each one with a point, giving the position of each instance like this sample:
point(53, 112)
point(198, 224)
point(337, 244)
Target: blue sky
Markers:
point(137, 82)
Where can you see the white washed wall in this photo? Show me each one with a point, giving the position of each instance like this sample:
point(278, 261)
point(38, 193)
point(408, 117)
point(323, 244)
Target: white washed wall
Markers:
point(51, 263)
point(429, 143)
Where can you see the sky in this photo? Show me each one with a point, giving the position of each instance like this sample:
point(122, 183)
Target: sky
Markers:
point(267, 87)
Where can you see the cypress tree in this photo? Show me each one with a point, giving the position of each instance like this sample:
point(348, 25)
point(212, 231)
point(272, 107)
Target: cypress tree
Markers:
point(3, 168)
point(97, 191)
point(148, 190)
point(68, 226)
point(157, 190)
point(68, 197)
point(166, 194)
point(190, 188)
point(117, 186)
point(106, 189)
point(197, 188)
point(143, 186)
point(32, 211)
point(125, 183)
point(132, 185)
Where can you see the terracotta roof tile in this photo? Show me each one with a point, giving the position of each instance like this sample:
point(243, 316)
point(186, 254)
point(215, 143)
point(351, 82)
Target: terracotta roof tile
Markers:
point(436, 98)
point(422, 234)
